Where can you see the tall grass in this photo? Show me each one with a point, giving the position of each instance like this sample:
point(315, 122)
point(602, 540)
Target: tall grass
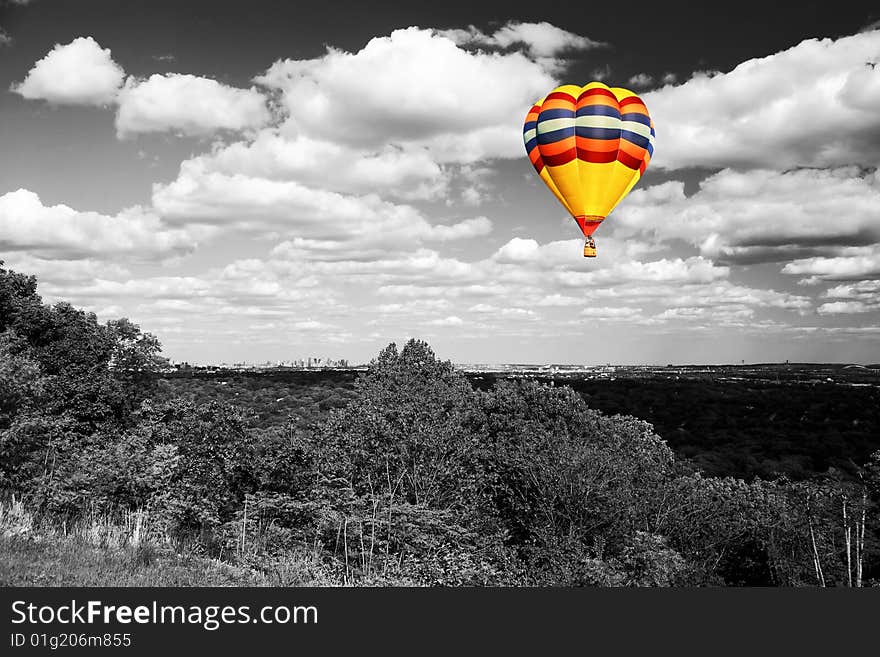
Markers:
point(128, 549)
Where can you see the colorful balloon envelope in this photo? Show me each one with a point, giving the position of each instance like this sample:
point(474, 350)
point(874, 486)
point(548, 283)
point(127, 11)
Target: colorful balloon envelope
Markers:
point(590, 145)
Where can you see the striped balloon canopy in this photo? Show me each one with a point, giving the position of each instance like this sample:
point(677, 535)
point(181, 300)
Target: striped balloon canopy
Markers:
point(590, 145)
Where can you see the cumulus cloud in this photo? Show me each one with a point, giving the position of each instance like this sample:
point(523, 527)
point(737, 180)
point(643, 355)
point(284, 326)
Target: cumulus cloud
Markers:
point(811, 105)
point(760, 215)
point(540, 40)
point(694, 269)
point(413, 87)
point(324, 220)
point(553, 275)
point(352, 202)
point(78, 73)
point(327, 174)
point(55, 271)
point(852, 264)
point(60, 232)
point(731, 296)
point(406, 173)
point(854, 298)
point(846, 308)
point(641, 80)
point(862, 290)
point(187, 104)
point(451, 320)
point(84, 73)
point(5, 39)
point(525, 279)
point(610, 313)
point(421, 265)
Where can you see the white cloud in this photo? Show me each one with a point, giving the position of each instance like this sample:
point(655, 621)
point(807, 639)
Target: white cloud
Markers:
point(608, 312)
point(5, 39)
point(84, 73)
point(694, 269)
point(60, 232)
point(424, 265)
point(859, 297)
point(325, 176)
point(814, 104)
point(414, 87)
point(852, 264)
point(407, 173)
point(353, 202)
point(865, 290)
point(324, 220)
point(559, 300)
point(414, 306)
point(641, 80)
point(540, 40)
point(621, 262)
point(724, 294)
point(187, 104)
point(63, 272)
point(466, 229)
point(78, 73)
point(518, 250)
point(603, 73)
point(759, 215)
point(524, 275)
point(451, 320)
point(846, 308)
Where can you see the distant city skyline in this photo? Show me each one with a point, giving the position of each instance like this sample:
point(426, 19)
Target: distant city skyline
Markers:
point(251, 181)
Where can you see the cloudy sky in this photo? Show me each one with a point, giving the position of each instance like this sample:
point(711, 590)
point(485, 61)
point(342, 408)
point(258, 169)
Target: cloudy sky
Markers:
point(264, 180)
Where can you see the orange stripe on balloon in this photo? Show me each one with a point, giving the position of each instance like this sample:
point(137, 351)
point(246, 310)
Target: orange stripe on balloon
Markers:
point(596, 100)
point(558, 146)
point(597, 145)
point(632, 150)
point(558, 103)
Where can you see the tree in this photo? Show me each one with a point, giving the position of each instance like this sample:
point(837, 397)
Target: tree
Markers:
point(409, 430)
point(66, 379)
point(135, 356)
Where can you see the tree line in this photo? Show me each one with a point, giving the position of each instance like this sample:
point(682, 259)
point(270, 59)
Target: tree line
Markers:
point(418, 479)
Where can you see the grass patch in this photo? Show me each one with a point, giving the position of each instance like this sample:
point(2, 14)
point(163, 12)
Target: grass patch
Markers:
point(100, 550)
point(68, 561)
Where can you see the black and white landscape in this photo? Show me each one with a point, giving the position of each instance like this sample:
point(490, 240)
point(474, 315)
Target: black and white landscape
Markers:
point(282, 301)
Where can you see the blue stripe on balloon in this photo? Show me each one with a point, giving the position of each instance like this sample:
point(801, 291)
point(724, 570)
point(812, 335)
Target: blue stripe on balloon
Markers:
point(555, 135)
point(598, 133)
point(529, 125)
point(635, 138)
point(638, 117)
point(559, 113)
point(598, 110)
point(530, 144)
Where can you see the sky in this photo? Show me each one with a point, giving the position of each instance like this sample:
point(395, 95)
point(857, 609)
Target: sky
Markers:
point(266, 181)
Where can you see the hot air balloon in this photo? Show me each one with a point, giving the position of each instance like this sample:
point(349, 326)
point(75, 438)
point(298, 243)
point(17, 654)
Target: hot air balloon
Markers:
point(590, 145)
